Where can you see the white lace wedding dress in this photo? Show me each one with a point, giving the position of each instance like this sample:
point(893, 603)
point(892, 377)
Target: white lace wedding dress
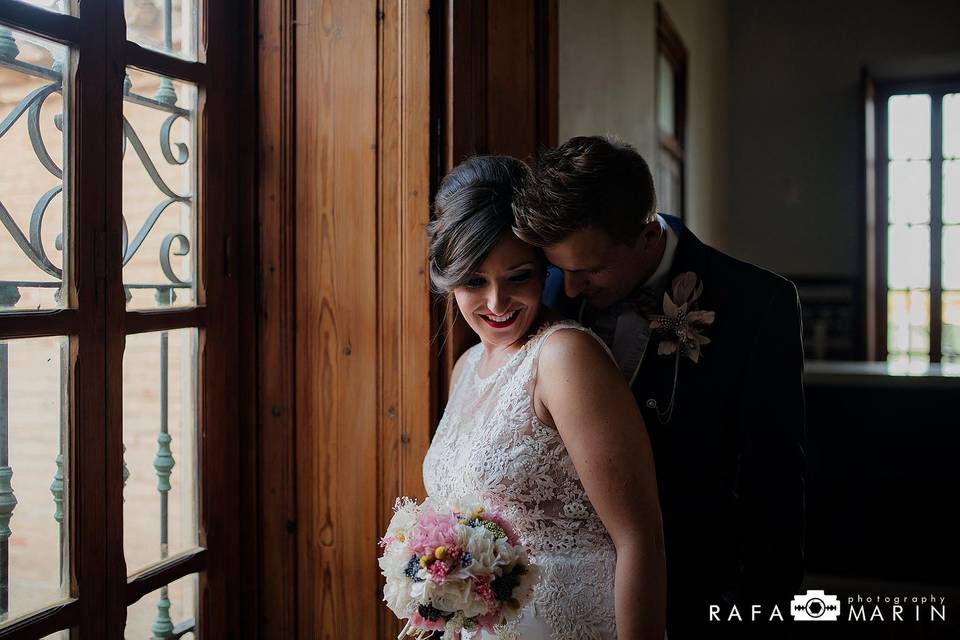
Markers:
point(490, 444)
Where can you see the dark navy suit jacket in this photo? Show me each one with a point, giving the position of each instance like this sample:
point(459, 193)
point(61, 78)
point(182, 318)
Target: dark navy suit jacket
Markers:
point(730, 462)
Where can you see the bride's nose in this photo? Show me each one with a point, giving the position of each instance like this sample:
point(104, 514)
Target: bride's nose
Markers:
point(497, 301)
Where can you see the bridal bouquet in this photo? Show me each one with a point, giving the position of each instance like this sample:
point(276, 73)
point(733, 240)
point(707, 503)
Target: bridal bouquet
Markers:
point(453, 568)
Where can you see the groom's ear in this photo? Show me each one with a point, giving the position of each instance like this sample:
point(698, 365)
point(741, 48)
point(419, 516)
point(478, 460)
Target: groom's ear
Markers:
point(649, 235)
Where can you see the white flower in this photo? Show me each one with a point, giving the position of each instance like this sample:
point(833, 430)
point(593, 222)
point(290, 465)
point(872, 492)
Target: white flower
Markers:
point(452, 596)
point(405, 514)
point(398, 595)
point(523, 592)
point(488, 553)
point(462, 504)
point(393, 562)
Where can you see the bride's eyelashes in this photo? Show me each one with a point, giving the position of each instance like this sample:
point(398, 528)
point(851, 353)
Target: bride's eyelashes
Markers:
point(521, 277)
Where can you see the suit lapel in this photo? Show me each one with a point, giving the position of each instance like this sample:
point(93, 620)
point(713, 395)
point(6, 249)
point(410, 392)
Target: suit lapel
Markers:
point(654, 383)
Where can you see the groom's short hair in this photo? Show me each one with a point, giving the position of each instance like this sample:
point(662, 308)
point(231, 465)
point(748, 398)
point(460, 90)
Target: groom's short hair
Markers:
point(598, 182)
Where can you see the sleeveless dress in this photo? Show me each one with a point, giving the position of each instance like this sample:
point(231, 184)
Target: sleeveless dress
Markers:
point(490, 444)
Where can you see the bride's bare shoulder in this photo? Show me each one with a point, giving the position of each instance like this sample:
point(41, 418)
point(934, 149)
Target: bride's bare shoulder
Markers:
point(573, 350)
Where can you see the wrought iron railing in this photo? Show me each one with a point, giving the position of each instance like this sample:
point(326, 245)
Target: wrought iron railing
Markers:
point(30, 243)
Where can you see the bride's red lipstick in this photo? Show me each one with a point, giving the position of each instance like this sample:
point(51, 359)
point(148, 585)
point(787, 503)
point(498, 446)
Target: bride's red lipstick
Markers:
point(501, 325)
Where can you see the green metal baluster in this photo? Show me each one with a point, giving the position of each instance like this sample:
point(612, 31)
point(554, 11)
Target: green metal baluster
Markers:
point(56, 488)
point(126, 471)
point(166, 94)
point(9, 296)
point(163, 625)
point(163, 464)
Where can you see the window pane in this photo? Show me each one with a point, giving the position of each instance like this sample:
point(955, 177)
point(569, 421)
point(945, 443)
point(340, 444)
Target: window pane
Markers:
point(951, 257)
point(909, 191)
point(951, 191)
point(159, 178)
point(669, 191)
point(951, 326)
point(665, 95)
point(909, 127)
point(165, 613)
point(166, 25)
point(951, 125)
point(159, 436)
point(898, 322)
point(908, 322)
point(60, 6)
point(908, 263)
point(33, 478)
point(33, 73)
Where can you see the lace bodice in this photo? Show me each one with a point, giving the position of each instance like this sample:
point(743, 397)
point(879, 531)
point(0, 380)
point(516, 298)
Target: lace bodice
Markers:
point(491, 444)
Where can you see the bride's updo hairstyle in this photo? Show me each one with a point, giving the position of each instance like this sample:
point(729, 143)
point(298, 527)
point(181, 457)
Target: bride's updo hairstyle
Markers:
point(473, 209)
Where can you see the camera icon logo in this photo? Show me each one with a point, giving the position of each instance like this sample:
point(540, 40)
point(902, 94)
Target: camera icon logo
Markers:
point(815, 606)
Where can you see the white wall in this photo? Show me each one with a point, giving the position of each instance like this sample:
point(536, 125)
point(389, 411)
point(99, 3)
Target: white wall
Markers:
point(607, 62)
point(794, 181)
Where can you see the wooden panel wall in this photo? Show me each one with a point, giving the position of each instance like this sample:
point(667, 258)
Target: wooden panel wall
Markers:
point(346, 382)
point(500, 89)
point(336, 342)
point(348, 374)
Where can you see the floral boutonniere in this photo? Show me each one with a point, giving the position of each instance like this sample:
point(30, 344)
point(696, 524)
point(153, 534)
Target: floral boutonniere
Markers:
point(680, 328)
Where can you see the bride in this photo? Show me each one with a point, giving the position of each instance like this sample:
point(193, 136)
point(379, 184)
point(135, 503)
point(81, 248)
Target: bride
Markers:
point(541, 426)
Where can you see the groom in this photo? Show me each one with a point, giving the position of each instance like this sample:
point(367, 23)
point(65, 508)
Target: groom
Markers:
point(719, 380)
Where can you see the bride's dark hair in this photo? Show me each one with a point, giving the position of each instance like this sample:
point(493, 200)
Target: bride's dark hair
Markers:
point(473, 208)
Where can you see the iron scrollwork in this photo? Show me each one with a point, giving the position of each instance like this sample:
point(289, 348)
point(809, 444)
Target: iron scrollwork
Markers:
point(174, 153)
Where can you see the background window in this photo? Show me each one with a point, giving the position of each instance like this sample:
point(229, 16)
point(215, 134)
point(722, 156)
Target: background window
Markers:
point(671, 96)
point(919, 234)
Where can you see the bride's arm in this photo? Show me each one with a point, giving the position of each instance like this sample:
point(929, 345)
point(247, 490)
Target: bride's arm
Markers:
point(581, 392)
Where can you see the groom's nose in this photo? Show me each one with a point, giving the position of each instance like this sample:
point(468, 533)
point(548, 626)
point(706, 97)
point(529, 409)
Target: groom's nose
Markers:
point(573, 284)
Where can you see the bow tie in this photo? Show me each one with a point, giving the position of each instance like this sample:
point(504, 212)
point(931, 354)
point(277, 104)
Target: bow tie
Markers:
point(647, 300)
point(639, 307)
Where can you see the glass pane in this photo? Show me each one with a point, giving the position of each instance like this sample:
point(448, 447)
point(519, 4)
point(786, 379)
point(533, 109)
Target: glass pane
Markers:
point(909, 127)
point(160, 440)
point(908, 322)
point(166, 25)
point(60, 6)
point(159, 180)
point(951, 125)
point(951, 326)
point(58, 635)
point(951, 191)
point(665, 95)
point(951, 257)
point(33, 73)
point(33, 478)
point(169, 612)
point(909, 191)
point(898, 322)
point(908, 263)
